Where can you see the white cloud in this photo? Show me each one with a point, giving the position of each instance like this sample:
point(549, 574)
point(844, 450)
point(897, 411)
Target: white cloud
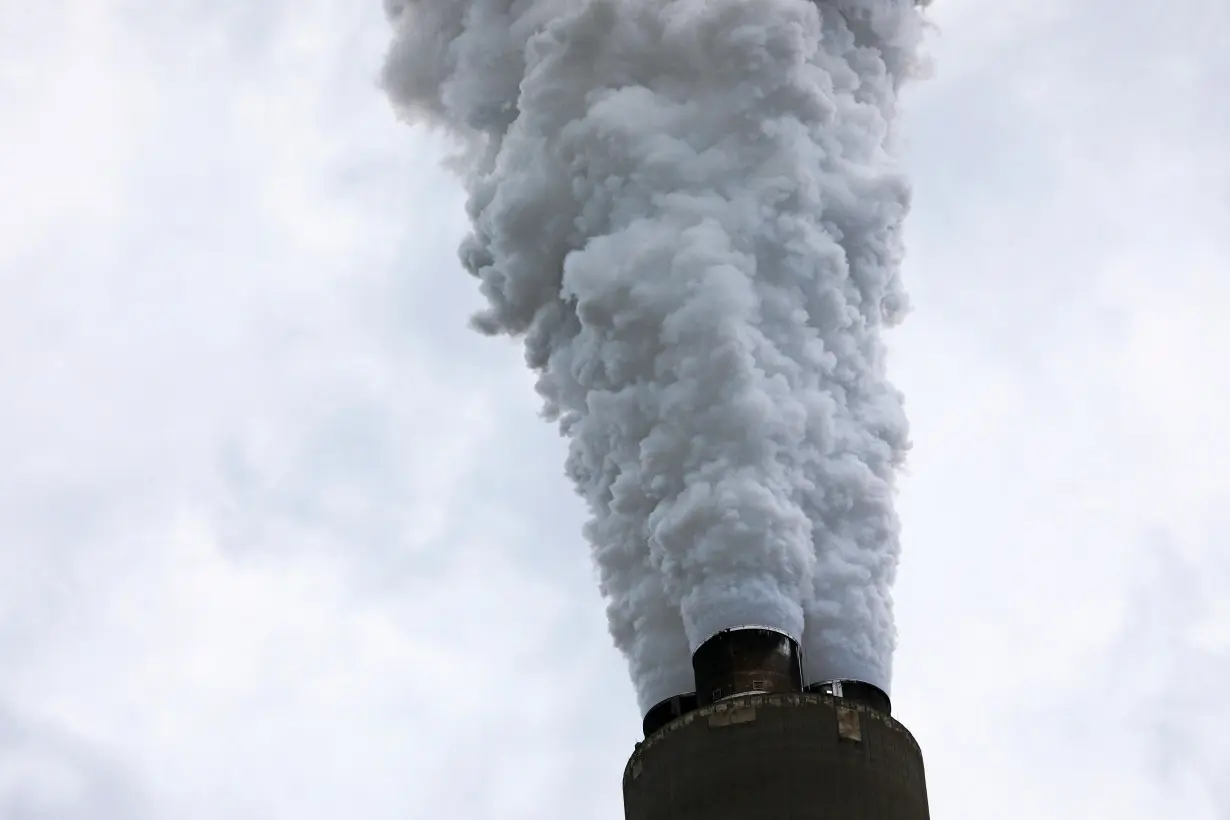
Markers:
point(1063, 366)
point(280, 537)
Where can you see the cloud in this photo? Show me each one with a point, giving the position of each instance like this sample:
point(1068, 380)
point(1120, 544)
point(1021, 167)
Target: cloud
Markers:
point(248, 559)
point(1063, 385)
point(48, 774)
point(260, 556)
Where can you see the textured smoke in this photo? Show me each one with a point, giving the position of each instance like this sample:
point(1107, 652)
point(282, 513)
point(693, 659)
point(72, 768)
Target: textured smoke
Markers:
point(687, 210)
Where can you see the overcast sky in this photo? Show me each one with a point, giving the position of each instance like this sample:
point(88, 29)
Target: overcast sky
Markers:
point(281, 538)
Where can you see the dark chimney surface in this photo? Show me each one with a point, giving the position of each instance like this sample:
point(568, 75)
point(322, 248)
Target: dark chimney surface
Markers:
point(746, 659)
point(854, 690)
point(766, 757)
point(664, 712)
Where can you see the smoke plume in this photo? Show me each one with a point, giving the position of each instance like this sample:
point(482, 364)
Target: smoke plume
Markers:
point(688, 211)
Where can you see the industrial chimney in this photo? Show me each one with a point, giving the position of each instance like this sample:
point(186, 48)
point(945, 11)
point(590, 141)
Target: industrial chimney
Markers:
point(752, 744)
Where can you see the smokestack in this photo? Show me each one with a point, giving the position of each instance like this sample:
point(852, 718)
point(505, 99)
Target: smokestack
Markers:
point(746, 660)
point(666, 711)
point(759, 745)
point(855, 691)
point(742, 660)
point(805, 756)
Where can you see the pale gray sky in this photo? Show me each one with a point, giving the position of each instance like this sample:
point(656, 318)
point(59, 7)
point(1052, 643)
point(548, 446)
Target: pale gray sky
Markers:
point(281, 538)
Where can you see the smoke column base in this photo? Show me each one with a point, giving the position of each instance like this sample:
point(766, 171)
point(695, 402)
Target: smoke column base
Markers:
point(802, 756)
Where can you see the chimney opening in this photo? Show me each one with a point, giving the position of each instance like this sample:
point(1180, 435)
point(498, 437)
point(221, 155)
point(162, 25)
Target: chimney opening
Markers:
point(747, 659)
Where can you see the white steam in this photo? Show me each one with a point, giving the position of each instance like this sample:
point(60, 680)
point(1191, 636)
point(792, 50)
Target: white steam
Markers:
point(687, 209)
